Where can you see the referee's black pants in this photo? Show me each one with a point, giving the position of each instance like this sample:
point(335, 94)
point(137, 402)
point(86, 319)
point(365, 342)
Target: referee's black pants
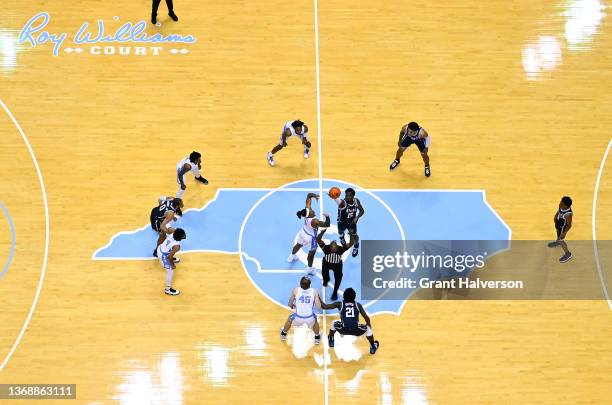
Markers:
point(156, 6)
point(337, 269)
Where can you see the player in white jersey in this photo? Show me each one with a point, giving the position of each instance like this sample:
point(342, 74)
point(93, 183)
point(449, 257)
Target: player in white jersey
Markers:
point(166, 252)
point(303, 300)
point(291, 128)
point(308, 234)
point(413, 133)
point(192, 163)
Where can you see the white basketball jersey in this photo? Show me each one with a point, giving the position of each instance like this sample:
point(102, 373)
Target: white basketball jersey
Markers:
point(290, 128)
point(180, 165)
point(167, 245)
point(304, 302)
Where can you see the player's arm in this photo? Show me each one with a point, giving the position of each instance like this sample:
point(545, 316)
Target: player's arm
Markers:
point(568, 225)
point(361, 211)
point(364, 314)
point(309, 197)
point(291, 303)
point(425, 136)
point(317, 222)
point(320, 239)
point(333, 305)
point(402, 134)
point(184, 170)
point(305, 140)
point(171, 255)
point(168, 217)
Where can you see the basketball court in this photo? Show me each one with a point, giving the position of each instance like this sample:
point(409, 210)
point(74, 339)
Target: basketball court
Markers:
point(515, 97)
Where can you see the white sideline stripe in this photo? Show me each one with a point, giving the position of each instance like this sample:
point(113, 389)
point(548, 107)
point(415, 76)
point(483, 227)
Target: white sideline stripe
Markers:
point(594, 221)
point(44, 265)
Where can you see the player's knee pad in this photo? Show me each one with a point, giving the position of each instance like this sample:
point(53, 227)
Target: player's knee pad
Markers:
point(369, 331)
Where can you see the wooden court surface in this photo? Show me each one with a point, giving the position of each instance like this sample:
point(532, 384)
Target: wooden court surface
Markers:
point(108, 131)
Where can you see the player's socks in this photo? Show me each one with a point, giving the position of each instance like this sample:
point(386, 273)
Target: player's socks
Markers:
point(171, 291)
point(202, 180)
point(394, 164)
point(554, 244)
point(283, 335)
point(427, 171)
point(306, 153)
point(173, 16)
point(270, 157)
point(355, 250)
point(374, 347)
point(317, 339)
point(291, 258)
point(566, 257)
point(330, 340)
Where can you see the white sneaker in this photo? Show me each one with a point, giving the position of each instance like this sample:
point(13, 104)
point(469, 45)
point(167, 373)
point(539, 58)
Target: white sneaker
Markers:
point(171, 291)
point(291, 258)
point(306, 153)
point(311, 271)
point(271, 159)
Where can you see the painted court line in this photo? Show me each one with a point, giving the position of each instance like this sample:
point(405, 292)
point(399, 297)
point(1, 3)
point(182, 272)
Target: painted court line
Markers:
point(13, 240)
point(44, 265)
point(594, 226)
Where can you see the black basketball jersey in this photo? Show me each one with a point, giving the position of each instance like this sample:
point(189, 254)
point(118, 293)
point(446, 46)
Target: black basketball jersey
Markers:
point(158, 213)
point(349, 212)
point(413, 138)
point(561, 218)
point(349, 315)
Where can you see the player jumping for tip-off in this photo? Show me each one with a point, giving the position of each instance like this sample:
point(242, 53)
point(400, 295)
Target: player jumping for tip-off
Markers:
point(308, 234)
point(413, 133)
point(349, 212)
point(291, 128)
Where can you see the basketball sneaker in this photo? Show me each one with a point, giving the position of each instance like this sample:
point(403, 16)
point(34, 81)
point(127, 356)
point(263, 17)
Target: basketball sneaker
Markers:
point(171, 291)
point(566, 257)
point(330, 340)
point(173, 16)
point(317, 339)
point(306, 153)
point(374, 347)
point(427, 171)
point(283, 335)
point(176, 259)
point(554, 244)
point(202, 180)
point(394, 164)
point(355, 251)
point(270, 157)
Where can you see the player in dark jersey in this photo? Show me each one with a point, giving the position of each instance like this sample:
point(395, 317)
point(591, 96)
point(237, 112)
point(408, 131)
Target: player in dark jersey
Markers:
point(563, 223)
point(349, 320)
point(162, 216)
point(349, 212)
point(413, 133)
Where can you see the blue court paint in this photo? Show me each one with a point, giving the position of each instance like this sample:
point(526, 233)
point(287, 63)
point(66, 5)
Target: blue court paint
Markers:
point(13, 240)
point(261, 226)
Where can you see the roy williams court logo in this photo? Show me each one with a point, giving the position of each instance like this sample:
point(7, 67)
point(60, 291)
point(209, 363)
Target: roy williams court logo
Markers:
point(127, 39)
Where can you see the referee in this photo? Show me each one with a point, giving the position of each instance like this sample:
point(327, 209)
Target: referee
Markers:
point(332, 260)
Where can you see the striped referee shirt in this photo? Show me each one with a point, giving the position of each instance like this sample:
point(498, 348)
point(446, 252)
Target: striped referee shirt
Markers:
point(333, 257)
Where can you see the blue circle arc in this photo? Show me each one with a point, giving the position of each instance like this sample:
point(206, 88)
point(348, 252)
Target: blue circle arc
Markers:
point(12, 253)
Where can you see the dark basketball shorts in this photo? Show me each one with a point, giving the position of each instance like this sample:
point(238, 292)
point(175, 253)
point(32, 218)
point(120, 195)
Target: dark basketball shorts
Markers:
point(343, 227)
point(361, 329)
point(420, 143)
point(559, 232)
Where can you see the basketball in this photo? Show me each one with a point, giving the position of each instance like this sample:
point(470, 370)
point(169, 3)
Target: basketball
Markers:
point(334, 192)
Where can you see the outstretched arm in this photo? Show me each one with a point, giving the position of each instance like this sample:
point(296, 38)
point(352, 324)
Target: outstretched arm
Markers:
point(333, 305)
point(291, 303)
point(309, 198)
point(364, 314)
point(320, 239)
